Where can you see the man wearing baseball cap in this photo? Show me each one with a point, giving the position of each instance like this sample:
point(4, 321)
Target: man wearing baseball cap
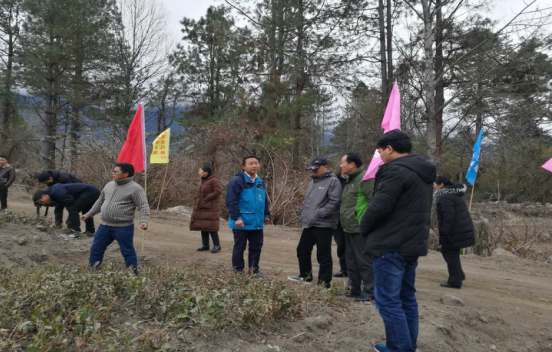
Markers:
point(319, 215)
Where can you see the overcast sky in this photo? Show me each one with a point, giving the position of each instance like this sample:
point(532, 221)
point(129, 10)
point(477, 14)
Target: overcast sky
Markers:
point(177, 9)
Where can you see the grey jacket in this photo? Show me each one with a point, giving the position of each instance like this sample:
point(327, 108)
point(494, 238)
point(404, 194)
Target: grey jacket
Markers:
point(321, 205)
point(7, 176)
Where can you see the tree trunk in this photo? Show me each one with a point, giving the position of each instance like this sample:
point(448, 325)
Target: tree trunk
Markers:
point(389, 47)
point(300, 85)
point(440, 84)
point(7, 105)
point(49, 144)
point(429, 80)
point(383, 60)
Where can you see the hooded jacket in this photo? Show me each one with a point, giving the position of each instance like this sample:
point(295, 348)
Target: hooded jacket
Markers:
point(398, 217)
point(321, 205)
point(456, 228)
point(355, 199)
point(7, 175)
point(63, 177)
point(206, 211)
point(246, 200)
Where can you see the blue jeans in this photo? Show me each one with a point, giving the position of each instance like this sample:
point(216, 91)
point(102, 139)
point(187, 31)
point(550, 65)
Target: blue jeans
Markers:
point(105, 236)
point(255, 239)
point(395, 275)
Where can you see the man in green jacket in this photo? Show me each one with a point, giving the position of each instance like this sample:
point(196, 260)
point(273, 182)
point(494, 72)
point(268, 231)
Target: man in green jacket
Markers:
point(354, 201)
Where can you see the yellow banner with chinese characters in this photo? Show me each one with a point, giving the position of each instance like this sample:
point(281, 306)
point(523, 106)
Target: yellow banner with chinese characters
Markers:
point(160, 153)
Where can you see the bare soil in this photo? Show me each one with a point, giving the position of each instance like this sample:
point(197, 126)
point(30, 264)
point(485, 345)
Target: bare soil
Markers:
point(507, 301)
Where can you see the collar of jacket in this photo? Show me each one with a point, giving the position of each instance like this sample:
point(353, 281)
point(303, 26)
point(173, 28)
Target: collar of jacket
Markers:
point(5, 166)
point(124, 181)
point(360, 171)
point(317, 178)
point(249, 179)
point(456, 188)
point(203, 179)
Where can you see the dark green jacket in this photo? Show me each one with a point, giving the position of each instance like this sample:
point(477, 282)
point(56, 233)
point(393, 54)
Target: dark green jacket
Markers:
point(356, 196)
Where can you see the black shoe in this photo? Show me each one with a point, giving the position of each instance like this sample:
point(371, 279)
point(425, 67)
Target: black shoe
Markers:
point(351, 294)
point(215, 249)
point(203, 249)
point(340, 274)
point(364, 297)
point(449, 286)
point(88, 233)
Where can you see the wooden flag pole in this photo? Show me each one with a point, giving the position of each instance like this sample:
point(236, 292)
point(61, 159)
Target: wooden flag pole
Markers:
point(473, 189)
point(146, 191)
point(162, 187)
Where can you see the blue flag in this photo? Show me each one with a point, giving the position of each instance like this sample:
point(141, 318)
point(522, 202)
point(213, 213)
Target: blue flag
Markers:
point(474, 164)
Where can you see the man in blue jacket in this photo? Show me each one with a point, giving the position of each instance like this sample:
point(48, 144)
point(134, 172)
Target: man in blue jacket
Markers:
point(77, 198)
point(248, 207)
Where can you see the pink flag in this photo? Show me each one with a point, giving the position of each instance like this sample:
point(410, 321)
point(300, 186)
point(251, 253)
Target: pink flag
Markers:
point(134, 149)
point(548, 165)
point(391, 121)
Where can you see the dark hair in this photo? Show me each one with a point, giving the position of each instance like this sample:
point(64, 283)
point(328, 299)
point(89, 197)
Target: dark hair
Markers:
point(5, 157)
point(443, 180)
point(249, 157)
point(36, 196)
point(207, 169)
point(354, 158)
point(398, 140)
point(45, 176)
point(126, 168)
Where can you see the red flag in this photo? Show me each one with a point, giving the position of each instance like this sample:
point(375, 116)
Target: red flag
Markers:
point(134, 149)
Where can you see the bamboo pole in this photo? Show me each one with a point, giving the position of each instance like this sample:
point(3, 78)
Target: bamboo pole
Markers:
point(163, 187)
point(471, 198)
point(146, 191)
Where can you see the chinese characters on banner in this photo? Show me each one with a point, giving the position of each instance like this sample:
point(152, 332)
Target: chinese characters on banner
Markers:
point(160, 153)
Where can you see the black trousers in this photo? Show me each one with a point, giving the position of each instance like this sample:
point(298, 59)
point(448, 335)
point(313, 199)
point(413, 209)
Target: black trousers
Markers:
point(58, 214)
point(255, 238)
point(360, 266)
point(82, 205)
point(205, 238)
point(339, 237)
point(4, 197)
point(322, 238)
point(456, 274)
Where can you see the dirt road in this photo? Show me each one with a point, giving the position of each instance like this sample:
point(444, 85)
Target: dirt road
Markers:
point(507, 302)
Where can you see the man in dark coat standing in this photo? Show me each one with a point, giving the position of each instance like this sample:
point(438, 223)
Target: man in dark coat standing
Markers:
point(456, 229)
point(319, 215)
point(396, 226)
point(7, 177)
point(54, 177)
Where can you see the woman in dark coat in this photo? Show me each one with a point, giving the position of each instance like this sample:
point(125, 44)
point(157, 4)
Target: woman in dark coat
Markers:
point(206, 212)
point(456, 229)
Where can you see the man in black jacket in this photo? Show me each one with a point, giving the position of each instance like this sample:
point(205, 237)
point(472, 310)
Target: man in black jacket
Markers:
point(54, 177)
point(77, 198)
point(396, 224)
